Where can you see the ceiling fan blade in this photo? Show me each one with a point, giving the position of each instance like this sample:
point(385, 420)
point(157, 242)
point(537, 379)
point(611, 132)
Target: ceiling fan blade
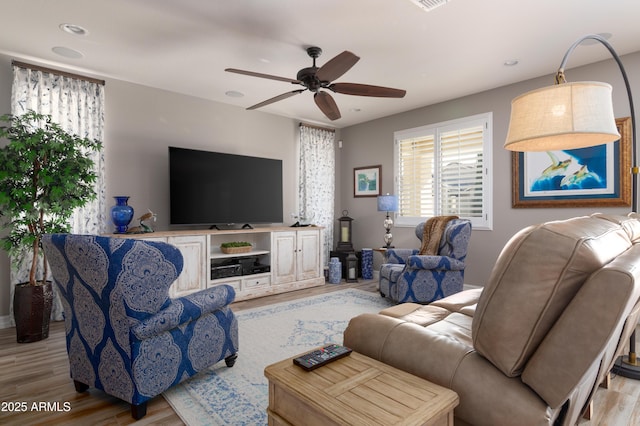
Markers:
point(257, 74)
point(337, 66)
point(276, 99)
point(366, 90)
point(327, 105)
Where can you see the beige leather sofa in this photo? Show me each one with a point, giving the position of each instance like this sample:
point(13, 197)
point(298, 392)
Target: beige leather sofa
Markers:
point(531, 347)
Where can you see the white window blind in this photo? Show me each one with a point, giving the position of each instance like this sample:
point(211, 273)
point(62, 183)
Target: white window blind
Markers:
point(443, 169)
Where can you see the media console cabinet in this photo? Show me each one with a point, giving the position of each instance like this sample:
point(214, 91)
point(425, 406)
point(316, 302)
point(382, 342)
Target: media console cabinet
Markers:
point(281, 259)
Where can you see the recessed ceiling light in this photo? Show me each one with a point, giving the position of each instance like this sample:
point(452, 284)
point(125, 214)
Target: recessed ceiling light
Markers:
point(67, 53)
point(73, 29)
point(234, 94)
point(511, 62)
point(355, 110)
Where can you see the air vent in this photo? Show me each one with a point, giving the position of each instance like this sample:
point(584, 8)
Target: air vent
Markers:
point(429, 5)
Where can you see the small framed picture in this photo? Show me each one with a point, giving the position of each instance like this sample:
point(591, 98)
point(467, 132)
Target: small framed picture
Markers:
point(366, 181)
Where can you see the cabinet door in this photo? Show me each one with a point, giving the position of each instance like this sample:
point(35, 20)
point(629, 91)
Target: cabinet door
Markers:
point(308, 254)
point(283, 259)
point(194, 273)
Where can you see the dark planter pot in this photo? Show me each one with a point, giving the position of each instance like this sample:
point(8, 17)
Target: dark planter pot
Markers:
point(32, 311)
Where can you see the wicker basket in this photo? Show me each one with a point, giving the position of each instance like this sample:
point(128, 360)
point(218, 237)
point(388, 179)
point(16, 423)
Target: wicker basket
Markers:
point(235, 250)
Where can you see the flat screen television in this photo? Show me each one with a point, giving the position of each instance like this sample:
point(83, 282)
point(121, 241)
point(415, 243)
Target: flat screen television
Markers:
point(213, 188)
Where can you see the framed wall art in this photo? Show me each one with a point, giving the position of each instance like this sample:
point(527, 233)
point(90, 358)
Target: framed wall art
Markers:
point(598, 176)
point(366, 181)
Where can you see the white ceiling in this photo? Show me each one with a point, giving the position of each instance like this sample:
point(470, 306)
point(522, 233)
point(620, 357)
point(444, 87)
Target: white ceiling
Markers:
point(185, 45)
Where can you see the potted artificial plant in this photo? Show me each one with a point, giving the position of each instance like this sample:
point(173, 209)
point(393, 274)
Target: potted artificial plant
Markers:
point(45, 173)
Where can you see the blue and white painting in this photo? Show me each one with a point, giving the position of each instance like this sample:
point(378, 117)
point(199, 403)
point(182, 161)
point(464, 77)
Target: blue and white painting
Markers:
point(584, 171)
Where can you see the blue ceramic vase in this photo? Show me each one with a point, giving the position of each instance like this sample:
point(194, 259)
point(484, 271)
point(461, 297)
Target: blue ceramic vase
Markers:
point(121, 214)
point(367, 264)
point(335, 270)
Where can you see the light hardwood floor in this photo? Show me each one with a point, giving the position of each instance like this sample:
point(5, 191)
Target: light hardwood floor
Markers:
point(39, 373)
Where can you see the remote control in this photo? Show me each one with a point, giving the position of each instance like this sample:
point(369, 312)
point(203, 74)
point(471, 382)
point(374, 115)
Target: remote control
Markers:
point(322, 356)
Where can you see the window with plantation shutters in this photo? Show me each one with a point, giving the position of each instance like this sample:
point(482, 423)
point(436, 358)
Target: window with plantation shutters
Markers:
point(443, 169)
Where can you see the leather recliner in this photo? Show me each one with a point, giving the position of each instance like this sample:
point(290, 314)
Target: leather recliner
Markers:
point(532, 346)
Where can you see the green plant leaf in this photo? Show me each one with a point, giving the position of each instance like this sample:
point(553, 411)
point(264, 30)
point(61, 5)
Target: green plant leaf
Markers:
point(43, 169)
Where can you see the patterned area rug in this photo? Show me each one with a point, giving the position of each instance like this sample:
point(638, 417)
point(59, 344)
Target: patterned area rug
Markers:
point(239, 395)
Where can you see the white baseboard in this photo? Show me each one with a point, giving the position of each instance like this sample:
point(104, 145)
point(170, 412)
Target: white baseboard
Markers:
point(5, 322)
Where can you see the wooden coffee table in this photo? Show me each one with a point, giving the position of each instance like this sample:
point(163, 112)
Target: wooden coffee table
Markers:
point(355, 390)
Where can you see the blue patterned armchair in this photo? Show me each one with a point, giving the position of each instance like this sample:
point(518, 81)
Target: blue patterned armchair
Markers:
point(125, 335)
point(407, 276)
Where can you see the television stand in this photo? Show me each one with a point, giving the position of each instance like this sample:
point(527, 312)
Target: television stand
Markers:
point(230, 227)
point(280, 259)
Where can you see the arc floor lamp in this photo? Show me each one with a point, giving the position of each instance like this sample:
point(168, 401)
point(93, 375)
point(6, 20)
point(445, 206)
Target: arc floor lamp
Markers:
point(570, 116)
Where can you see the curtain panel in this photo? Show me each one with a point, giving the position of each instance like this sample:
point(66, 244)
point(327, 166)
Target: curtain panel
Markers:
point(77, 105)
point(317, 180)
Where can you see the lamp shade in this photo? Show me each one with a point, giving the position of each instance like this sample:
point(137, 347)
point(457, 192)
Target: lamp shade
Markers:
point(563, 116)
point(387, 203)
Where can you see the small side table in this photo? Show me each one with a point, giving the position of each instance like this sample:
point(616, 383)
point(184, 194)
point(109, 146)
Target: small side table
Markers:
point(355, 390)
point(382, 251)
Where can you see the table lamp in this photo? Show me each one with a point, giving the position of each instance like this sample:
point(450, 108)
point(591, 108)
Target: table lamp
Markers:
point(388, 203)
point(569, 116)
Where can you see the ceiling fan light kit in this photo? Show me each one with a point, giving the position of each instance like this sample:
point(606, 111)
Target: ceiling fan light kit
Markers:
point(319, 79)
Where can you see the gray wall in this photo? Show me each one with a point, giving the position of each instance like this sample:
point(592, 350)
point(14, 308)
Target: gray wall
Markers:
point(372, 143)
point(142, 122)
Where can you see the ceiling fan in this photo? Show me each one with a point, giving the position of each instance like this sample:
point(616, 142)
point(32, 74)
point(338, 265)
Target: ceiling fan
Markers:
point(316, 78)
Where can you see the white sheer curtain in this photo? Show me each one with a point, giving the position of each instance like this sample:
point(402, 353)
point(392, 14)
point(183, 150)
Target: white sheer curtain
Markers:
point(77, 105)
point(317, 180)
